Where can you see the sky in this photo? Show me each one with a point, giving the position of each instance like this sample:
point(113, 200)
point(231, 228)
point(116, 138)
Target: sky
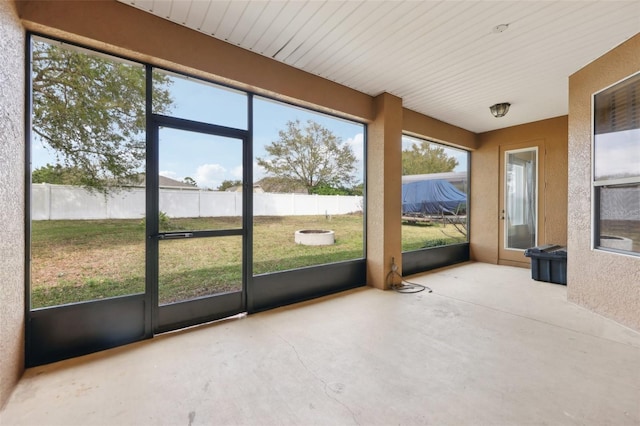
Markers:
point(617, 154)
point(209, 160)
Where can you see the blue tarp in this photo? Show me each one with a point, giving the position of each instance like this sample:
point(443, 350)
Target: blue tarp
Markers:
point(432, 197)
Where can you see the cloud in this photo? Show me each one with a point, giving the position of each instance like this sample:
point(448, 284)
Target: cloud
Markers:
point(408, 143)
point(617, 155)
point(210, 175)
point(258, 172)
point(237, 172)
point(357, 146)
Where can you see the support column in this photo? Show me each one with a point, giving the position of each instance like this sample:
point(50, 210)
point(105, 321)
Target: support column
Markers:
point(384, 189)
point(12, 214)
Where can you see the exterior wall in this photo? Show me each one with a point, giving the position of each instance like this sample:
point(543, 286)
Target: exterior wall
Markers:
point(11, 200)
point(607, 283)
point(485, 185)
point(423, 126)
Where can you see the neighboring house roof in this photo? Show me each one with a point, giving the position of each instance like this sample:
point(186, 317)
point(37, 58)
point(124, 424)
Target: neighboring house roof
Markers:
point(164, 182)
point(238, 188)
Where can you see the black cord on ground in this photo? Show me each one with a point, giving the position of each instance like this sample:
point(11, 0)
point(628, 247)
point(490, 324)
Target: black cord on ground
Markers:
point(406, 286)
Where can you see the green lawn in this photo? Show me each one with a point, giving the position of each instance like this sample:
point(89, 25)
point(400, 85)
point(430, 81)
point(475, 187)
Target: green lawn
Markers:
point(79, 260)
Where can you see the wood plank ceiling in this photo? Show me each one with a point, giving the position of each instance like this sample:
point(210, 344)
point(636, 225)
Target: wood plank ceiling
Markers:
point(443, 58)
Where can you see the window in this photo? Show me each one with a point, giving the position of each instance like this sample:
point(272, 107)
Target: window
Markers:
point(308, 204)
point(198, 100)
point(160, 200)
point(616, 167)
point(87, 154)
point(434, 194)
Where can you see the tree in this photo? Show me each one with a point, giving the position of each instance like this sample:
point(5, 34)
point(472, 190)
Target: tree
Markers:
point(426, 158)
point(357, 189)
point(275, 184)
point(189, 181)
point(330, 190)
point(90, 112)
point(57, 175)
point(309, 157)
point(226, 184)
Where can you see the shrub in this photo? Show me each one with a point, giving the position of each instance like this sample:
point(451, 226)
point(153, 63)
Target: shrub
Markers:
point(437, 242)
point(164, 221)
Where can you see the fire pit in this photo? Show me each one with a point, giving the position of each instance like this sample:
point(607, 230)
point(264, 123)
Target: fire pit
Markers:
point(615, 242)
point(314, 237)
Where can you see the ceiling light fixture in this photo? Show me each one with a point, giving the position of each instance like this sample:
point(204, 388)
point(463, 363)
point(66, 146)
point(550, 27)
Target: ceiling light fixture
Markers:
point(500, 110)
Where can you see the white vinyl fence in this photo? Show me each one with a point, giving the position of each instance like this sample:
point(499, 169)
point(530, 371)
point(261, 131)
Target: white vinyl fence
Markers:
point(52, 202)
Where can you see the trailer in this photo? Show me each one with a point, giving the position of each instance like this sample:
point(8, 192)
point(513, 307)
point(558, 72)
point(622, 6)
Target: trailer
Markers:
point(431, 198)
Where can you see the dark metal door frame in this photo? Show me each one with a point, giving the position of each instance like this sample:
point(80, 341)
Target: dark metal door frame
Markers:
point(183, 314)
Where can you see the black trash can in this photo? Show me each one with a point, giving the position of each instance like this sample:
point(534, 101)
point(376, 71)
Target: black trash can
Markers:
point(548, 263)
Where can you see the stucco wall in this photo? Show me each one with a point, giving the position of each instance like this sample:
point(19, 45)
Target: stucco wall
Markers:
point(11, 199)
point(607, 283)
point(384, 201)
point(424, 126)
point(485, 184)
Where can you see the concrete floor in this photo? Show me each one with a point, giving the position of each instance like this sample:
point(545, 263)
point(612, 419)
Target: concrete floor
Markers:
point(489, 346)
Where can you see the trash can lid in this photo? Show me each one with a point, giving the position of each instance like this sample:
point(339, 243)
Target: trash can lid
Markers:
point(544, 249)
point(548, 251)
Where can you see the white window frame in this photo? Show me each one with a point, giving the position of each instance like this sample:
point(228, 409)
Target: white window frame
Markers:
point(597, 184)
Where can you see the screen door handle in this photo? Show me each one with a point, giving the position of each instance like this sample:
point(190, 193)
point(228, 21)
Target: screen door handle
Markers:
point(173, 235)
